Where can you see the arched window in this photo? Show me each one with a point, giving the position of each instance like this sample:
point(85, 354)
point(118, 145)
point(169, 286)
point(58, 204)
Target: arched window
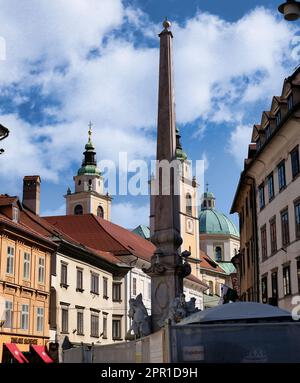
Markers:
point(188, 199)
point(211, 287)
point(100, 211)
point(78, 210)
point(218, 253)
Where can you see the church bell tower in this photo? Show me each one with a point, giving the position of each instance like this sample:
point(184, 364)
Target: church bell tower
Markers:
point(89, 197)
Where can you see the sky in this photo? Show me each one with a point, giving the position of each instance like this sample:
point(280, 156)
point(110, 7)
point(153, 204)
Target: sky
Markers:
point(70, 62)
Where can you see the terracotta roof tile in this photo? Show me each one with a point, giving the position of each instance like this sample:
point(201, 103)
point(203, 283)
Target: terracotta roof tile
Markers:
point(210, 264)
point(98, 233)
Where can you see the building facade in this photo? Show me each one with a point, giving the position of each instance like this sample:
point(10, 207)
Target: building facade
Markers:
point(25, 269)
point(273, 167)
point(219, 243)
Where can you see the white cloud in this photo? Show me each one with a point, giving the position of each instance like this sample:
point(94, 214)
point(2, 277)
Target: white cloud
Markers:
point(217, 63)
point(130, 215)
point(220, 68)
point(239, 140)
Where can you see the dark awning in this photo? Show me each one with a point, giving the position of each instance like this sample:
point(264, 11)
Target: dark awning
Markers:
point(16, 353)
point(42, 353)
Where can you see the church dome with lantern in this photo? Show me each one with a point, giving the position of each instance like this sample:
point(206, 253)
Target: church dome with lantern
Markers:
point(211, 221)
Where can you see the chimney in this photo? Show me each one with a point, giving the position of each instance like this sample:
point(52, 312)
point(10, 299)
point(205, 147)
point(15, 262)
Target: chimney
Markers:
point(31, 193)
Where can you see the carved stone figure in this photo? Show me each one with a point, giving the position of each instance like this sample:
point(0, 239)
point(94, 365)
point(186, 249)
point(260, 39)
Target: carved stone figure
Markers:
point(140, 318)
point(180, 309)
point(191, 306)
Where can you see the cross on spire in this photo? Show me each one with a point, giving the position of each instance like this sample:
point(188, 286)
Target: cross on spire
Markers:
point(90, 131)
point(207, 184)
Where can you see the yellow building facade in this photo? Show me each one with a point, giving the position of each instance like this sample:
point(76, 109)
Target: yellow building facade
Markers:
point(25, 259)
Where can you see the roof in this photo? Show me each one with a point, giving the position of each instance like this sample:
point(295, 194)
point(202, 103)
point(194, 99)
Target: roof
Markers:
point(40, 228)
point(209, 264)
point(212, 221)
point(143, 231)
point(211, 300)
point(100, 234)
point(228, 267)
point(7, 200)
point(239, 311)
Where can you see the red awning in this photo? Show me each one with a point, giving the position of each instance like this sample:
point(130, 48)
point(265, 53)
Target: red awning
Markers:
point(17, 354)
point(41, 351)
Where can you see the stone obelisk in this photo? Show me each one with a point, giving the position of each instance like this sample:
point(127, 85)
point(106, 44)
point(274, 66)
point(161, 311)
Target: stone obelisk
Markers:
point(167, 268)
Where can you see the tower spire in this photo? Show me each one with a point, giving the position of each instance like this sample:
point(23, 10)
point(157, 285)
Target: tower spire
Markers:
point(167, 269)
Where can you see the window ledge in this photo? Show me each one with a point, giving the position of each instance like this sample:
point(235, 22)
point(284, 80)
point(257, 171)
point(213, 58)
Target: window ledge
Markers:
point(95, 336)
point(116, 338)
point(64, 285)
point(79, 290)
point(94, 292)
point(105, 297)
point(117, 300)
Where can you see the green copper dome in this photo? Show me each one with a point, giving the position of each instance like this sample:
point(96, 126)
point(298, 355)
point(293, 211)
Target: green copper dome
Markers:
point(88, 170)
point(213, 222)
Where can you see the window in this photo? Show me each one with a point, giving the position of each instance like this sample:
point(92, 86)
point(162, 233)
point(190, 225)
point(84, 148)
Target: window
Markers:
point(264, 249)
point(116, 292)
point(24, 317)
point(104, 327)
point(105, 288)
point(290, 102)
point(268, 131)
point(64, 275)
point(297, 219)
point(10, 260)
point(8, 314)
point(95, 324)
point(15, 216)
point(78, 210)
point(248, 256)
point(94, 283)
point(258, 145)
point(80, 321)
point(133, 286)
point(100, 211)
point(188, 199)
point(116, 328)
point(218, 252)
point(64, 319)
point(285, 228)
point(261, 193)
point(264, 289)
point(271, 187)
point(211, 287)
point(26, 266)
point(295, 162)
point(298, 273)
point(41, 272)
point(278, 118)
point(273, 235)
point(274, 279)
point(286, 280)
point(281, 175)
point(40, 319)
point(79, 280)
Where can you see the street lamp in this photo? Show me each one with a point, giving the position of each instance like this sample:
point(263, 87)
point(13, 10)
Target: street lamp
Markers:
point(290, 9)
point(4, 132)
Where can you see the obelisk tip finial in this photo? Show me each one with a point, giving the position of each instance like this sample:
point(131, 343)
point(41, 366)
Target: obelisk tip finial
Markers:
point(90, 130)
point(167, 24)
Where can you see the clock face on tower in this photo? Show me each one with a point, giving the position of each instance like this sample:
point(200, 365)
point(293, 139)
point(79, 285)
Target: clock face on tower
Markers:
point(189, 226)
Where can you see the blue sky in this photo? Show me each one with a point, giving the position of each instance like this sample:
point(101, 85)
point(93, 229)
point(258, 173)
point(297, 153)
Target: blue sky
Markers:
point(71, 62)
